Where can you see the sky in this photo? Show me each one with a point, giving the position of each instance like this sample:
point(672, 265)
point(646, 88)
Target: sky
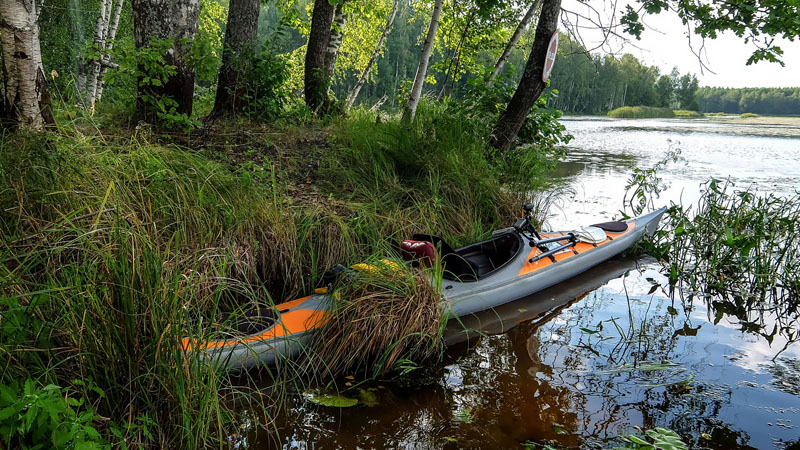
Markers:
point(665, 44)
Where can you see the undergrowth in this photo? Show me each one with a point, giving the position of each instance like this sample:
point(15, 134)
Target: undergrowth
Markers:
point(115, 248)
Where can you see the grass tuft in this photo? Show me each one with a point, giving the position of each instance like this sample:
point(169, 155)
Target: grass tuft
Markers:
point(384, 315)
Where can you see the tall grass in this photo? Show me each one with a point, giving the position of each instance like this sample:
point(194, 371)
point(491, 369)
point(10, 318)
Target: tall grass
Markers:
point(113, 249)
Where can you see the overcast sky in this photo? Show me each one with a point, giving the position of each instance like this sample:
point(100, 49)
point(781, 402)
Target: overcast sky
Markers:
point(665, 44)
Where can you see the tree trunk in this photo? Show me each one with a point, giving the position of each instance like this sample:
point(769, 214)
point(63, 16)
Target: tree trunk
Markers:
point(334, 42)
point(100, 30)
point(239, 50)
point(106, 59)
point(353, 94)
point(316, 86)
point(26, 98)
point(422, 70)
point(523, 25)
point(531, 84)
point(175, 20)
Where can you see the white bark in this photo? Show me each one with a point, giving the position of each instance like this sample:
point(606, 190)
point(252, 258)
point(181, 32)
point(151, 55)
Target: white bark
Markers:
point(26, 87)
point(335, 41)
point(100, 30)
point(351, 97)
point(106, 60)
point(380, 103)
point(523, 25)
point(422, 69)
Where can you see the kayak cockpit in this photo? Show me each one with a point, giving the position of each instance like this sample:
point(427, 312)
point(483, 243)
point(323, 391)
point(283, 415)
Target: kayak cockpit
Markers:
point(471, 263)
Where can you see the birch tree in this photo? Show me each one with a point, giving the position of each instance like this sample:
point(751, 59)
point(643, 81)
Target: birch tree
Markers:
point(422, 70)
point(335, 41)
point(362, 78)
point(174, 20)
point(26, 98)
point(105, 33)
point(523, 25)
point(237, 56)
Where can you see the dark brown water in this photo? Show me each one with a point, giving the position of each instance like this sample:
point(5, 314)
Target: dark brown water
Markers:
point(584, 362)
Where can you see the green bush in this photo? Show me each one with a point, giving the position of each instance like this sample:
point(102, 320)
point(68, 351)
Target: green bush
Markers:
point(49, 417)
point(748, 115)
point(641, 112)
point(686, 113)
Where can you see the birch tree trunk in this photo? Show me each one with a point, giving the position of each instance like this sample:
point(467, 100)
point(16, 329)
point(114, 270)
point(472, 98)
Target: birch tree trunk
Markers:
point(523, 25)
point(26, 98)
point(174, 20)
point(109, 45)
point(316, 88)
point(353, 94)
point(334, 42)
point(531, 84)
point(237, 57)
point(422, 70)
point(100, 30)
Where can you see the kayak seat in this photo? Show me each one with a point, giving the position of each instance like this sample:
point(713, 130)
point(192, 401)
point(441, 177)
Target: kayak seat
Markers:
point(252, 320)
point(454, 265)
point(613, 227)
point(475, 261)
point(419, 252)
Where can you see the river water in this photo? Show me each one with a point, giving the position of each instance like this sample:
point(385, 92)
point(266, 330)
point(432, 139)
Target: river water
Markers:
point(614, 353)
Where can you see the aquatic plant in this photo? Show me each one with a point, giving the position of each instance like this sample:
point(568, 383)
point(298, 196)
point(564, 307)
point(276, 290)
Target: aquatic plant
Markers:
point(736, 250)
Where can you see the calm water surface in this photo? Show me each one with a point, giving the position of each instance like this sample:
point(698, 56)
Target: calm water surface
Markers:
point(579, 364)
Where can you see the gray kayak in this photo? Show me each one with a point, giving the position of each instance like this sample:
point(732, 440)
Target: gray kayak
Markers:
point(516, 262)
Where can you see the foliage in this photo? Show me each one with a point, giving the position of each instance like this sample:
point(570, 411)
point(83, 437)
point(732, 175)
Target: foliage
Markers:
point(595, 84)
point(265, 85)
point(32, 418)
point(540, 142)
point(659, 439)
point(738, 251)
point(758, 22)
point(770, 101)
point(640, 112)
point(147, 67)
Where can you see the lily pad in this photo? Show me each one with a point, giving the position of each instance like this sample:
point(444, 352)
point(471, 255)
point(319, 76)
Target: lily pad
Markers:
point(368, 397)
point(332, 400)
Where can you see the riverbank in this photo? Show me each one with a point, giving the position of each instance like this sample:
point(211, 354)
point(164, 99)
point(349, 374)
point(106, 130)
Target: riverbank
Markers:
point(118, 243)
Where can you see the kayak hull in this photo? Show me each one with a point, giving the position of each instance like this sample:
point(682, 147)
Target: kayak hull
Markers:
point(522, 275)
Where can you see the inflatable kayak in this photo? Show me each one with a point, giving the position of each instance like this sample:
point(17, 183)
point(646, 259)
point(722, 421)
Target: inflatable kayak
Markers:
point(515, 262)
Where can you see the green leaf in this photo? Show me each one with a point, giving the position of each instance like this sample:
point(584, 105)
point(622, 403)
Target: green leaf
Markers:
point(332, 400)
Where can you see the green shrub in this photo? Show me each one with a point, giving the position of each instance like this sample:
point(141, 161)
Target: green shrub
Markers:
point(748, 115)
point(641, 112)
point(686, 113)
point(49, 417)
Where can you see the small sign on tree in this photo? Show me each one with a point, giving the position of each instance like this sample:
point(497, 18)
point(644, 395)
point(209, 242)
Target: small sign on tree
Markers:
point(552, 49)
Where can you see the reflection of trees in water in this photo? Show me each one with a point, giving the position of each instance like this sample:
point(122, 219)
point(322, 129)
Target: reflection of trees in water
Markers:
point(601, 370)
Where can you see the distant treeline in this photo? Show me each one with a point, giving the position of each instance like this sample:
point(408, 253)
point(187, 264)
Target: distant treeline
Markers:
point(603, 83)
point(774, 101)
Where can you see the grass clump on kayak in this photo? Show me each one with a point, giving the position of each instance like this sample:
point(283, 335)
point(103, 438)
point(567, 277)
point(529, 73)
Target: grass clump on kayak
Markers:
point(386, 315)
